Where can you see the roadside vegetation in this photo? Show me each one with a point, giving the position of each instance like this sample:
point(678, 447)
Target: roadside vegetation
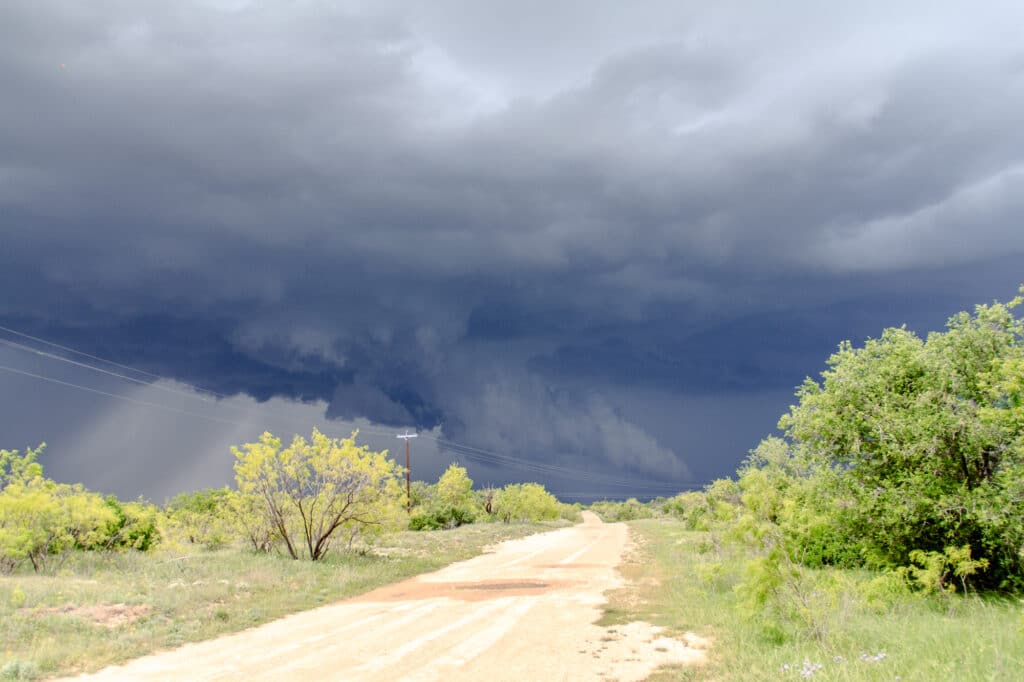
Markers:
point(88, 580)
point(881, 536)
point(821, 623)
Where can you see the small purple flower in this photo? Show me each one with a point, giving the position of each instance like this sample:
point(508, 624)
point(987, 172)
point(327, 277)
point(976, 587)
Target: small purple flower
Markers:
point(809, 668)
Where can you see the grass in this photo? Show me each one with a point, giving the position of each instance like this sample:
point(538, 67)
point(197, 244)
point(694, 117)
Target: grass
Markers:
point(684, 580)
point(47, 628)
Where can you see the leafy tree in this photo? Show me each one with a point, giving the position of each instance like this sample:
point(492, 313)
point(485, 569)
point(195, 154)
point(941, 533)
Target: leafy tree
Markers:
point(244, 510)
point(691, 507)
point(447, 504)
point(424, 494)
point(203, 517)
point(906, 446)
point(455, 487)
point(311, 490)
point(525, 502)
point(134, 526)
point(40, 518)
point(15, 468)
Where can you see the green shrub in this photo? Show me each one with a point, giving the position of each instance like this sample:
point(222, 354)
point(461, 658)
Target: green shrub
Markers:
point(525, 502)
point(907, 456)
point(571, 512)
point(916, 445)
point(939, 572)
point(628, 510)
point(442, 518)
point(20, 670)
point(133, 526)
point(202, 517)
point(41, 519)
point(449, 503)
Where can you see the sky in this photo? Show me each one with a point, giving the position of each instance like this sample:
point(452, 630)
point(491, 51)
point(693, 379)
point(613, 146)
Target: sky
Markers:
point(594, 244)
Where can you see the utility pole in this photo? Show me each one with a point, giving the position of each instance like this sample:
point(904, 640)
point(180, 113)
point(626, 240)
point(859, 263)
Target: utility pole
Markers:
point(408, 478)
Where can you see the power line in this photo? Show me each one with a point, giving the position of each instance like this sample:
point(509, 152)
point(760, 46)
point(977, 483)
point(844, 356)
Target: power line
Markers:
point(115, 395)
point(194, 393)
point(51, 356)
point(480, 454)
point(82, 353)
point(506, 461)
point(136, 401)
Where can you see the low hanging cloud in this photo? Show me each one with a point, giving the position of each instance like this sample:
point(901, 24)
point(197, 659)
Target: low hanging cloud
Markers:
point(522, 412)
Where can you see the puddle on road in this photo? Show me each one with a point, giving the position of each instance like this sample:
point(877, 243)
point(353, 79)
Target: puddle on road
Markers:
point(465, 591)
point(504, 586)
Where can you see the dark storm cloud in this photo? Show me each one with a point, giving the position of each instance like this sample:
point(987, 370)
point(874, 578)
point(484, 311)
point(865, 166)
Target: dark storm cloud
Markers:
point(507, 221)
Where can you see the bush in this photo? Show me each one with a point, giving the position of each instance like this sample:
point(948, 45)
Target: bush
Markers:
point(907, 456)
point(41, 519)
point(525, 502)
point(203, 517)
point(455, 488)
point(442, 518)
point(20, 670)
point(134, 526)
point(628, 510)
point(449, 503)
point(571, 512)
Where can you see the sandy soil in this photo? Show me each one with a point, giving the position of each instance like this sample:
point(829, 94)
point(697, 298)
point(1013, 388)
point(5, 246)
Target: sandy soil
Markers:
point(524, 612)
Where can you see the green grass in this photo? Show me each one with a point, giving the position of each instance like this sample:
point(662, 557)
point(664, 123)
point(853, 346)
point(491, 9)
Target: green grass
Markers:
point(200, 594)
point(684, 580)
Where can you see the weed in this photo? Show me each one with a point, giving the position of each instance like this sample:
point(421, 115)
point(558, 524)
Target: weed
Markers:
point(19, 670)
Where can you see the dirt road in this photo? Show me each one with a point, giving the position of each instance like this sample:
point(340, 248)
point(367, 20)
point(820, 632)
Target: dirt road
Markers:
point(523, 612)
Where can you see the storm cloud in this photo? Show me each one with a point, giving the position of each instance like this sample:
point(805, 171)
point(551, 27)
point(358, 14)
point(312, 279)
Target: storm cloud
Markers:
point(604, 236)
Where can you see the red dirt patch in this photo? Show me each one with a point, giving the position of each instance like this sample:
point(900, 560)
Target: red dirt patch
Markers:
point(107, 615)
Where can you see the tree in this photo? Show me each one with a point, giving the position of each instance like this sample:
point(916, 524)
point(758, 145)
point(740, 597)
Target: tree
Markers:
point(40, 518)
point(244, 511)
point(134, 526)
point(424, 494)
point(455, 487)
point(525, 502)
point(914, 446)
point(15, 468)
point(311, 490)
point(447, 504)
point(203, 516)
